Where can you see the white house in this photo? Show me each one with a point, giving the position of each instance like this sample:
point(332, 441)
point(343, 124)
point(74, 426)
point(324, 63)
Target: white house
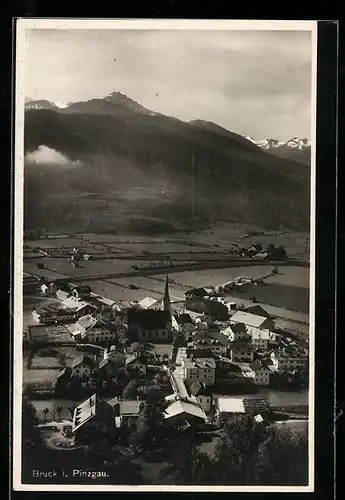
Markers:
point(235, 332)
point(136, 365)
point(213, 341)
point(203, 395)
point(81, 367)
point(252, 320)
point(261, 338)
point(262, 373)
point(241, 351)
point(116, 358)
point(199, 370)
point(283, 361)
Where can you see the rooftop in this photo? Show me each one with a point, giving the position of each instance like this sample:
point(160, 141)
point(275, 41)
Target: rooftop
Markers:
point(80, 359)
point(49, 334)
point(248, 319)
point(199, 389)
point(200, 363)
point(147, 302)
point(149, 319)
point(180, 407)
point(183, 319)
point(84, 412)
point(128, 408)
point(210, 339)
point(75, 303)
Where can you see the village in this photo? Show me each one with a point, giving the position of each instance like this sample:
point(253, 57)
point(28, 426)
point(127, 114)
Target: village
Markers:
point(92, 363)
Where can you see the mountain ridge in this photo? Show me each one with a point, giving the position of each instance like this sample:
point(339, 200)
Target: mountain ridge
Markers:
point(144, 169)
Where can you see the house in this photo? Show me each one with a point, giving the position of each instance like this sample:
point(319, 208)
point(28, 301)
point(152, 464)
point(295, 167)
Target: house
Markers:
point(233, 373)
point(78, 306)
point(241, 351)
point(181, 321)
point(262, 338)
point(149, 303)
point(44, 289)
point(203, 394)
point(261, 256)
point(116, 357)
point(211, 308)
point(135, 365)
point(149, 325)
point(53, 315)
point(104, 368)
point(199, 370)
point(262, 372)
point(92, 418)
point(213, 341)
point(232, 406)
point(196, 292)
point(81, 367)
point(95, 330)
point(87, 256)
point(125, 412)
point(284, 361)
point(182, 412)
point(235, 332)
point(63, 293)
point(257, 310)
point(252, 320)
point(82, 291)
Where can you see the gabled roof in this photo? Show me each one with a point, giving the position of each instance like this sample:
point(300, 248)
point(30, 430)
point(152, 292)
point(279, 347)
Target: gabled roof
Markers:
point(87, 321)
point(248, 319)
point(210, 338)
point(238, 327)
point(113, 402)
point(255, 405)
point(258, 310)
point(84, 412)
point(80, 359)
point(75, 303)
point(183, 319)
point(199, 389)
point(132, 358)
point(128, 408)
point(200, 363)
point(147, 302)
point(182, 407)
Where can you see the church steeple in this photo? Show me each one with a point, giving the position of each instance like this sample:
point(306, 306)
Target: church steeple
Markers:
point(166, 298)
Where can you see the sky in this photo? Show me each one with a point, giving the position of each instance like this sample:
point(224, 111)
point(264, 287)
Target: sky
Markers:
point(255, 83)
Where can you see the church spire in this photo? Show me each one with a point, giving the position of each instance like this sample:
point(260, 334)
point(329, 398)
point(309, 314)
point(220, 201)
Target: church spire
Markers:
point(166, 298)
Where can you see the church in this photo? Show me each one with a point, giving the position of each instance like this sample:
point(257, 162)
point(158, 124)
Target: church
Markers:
point(151, 325)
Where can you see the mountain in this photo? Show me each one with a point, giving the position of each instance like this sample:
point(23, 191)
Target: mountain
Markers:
point(39, 105)
point(121, 166)
point(294, 149)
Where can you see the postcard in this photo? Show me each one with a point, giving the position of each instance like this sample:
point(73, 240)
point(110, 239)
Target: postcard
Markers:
point(164, 255)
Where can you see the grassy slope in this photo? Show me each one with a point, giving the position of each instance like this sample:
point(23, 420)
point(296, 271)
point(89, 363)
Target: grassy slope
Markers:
point(154, 173)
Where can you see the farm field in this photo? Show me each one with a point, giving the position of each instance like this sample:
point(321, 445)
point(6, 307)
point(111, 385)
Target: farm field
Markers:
point(288, 275)
point(288, 297)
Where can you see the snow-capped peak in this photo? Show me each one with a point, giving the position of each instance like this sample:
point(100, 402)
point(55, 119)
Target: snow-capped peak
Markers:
point(62, 104)
point(294, 143)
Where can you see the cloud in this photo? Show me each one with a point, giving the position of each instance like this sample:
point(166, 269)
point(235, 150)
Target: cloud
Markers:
point(48, 156)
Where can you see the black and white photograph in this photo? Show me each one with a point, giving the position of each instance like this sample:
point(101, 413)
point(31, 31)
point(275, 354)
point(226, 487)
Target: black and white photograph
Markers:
point(164, 255)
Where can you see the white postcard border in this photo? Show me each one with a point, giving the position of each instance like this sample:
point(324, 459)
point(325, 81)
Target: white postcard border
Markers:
point(144, 24)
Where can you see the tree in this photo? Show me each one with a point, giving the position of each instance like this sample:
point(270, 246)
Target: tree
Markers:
point(71, 410)
point(151, 435)
point(45, 412)
point(282, 458)
point(58, 411)
point(30, 432)
point(131, 390)
point(136, 348)
point(236, 452)
point(189, 466)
